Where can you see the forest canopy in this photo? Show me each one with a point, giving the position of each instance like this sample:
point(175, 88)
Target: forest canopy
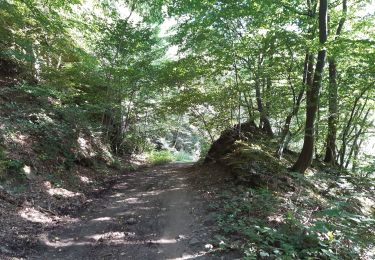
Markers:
point(276, 90)
point(303, 71)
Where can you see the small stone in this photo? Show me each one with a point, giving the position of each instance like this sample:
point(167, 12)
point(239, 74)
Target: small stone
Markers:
point(208, 246)
point(131, 221)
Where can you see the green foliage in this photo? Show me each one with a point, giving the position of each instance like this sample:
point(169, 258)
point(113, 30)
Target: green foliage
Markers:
point(2, 161)
point(205, 147)
point(165, 156)
point(182, 156)
point(160, 157)
point(276, 227)
point(96, 71)
point(12, 170)
point(116, 164)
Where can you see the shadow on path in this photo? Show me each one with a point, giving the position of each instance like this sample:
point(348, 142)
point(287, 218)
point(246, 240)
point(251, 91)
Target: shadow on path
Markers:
point(151, 214)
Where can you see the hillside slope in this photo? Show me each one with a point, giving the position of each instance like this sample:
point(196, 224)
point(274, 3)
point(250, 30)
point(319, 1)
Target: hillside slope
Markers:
point(268, 212)
point(51, 163)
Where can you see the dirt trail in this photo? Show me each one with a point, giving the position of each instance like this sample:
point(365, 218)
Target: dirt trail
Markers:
point(150, 214)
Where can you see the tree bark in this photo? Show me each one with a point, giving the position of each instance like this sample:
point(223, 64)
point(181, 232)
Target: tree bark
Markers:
point(308, 71)
point(263, 115)
point(330, 154)
point(312, 95)
point(307, 80)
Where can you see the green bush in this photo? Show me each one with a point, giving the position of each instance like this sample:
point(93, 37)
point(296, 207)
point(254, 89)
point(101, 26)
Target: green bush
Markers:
point(182, 156)
point(272, 229)
point(205, 147)
point(12, 169)
point(160, 157)
point(2, 163)
point(115, 164)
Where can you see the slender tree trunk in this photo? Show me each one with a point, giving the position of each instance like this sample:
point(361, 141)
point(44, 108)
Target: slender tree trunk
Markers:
point(266, 123)
point(316, 130)
point(346, 131)
point(263, 116)
point(308, 71)
point(330, 154)
point(356, 147)
point(312, 95)
point(239, 95)
point(307, 80)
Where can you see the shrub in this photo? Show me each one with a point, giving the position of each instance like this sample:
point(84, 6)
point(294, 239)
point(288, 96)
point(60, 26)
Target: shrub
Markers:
point(182, 156)
point(115, 164)
point(160, 157)
point(273, 229)
point(205, 147)
point(12, 169)
point(2, 163)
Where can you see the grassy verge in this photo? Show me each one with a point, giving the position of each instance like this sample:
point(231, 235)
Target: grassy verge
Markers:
point(165, 156)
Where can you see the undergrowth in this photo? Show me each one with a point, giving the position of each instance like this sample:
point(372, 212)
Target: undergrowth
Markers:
point(11, 169)
point(276, 214)
point(165, 156)
point(182, 156)
point(52, 139)
point(272, 226)
point(160, 157)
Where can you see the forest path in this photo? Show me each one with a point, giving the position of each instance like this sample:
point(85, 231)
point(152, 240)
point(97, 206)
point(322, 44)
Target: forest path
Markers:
point(149, 214)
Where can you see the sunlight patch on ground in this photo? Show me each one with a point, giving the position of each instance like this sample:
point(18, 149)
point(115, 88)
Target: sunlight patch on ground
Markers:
point(85, 179)
point(63, 192)
point(19, 138)
point(152, 193)
point(133, 200)
point(85, 147)
point(165, 241)
point(146, 208)
point(126, 214)
point(112, 236)
point(187, 256)
point(63, 242)
point(117, 195)
point(158, 192)
point(33, 215)
point(102, 219)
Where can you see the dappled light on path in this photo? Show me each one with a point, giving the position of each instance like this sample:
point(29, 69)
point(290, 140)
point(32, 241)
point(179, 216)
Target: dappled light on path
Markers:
point(146, 216)
point(34, 215)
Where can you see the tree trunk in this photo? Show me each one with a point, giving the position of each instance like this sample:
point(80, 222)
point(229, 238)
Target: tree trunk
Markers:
point(264, 119)
point(308, 71)
point(263, 115)
point(312, 95)
point(357, 108)
point(355, 146)
point(330, 155)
